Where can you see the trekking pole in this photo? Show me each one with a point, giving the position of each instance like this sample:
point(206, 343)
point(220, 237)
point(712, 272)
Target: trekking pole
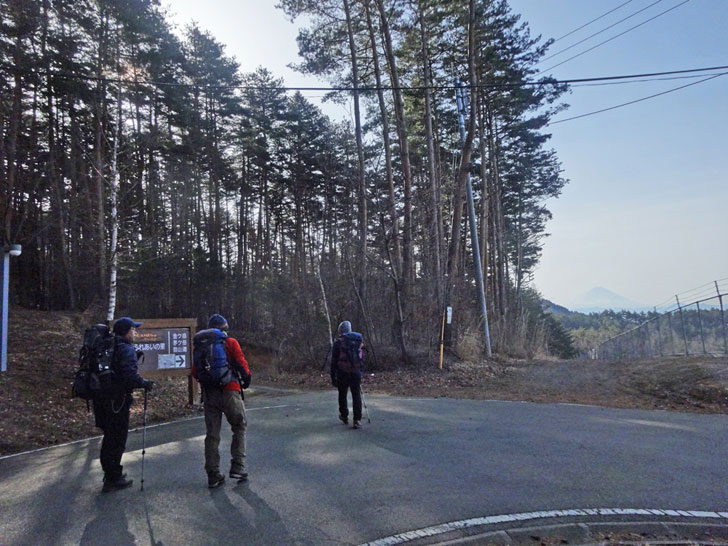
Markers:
point(361, 393)
point(144, 435)
point(328, 356)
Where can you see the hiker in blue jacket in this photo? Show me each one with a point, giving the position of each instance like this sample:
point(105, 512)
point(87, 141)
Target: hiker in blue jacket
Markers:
point(346, 371)
point(111, 408)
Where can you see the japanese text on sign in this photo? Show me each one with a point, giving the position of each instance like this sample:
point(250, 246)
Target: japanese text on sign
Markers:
point(164, 348)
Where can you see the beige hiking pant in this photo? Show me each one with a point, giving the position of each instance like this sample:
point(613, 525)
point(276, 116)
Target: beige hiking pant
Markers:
point(217, 402)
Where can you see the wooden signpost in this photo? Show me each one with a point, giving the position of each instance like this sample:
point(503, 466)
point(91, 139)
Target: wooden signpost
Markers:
point(167, 346)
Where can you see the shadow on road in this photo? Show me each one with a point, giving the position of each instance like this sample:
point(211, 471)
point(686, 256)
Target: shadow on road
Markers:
point(110, 524)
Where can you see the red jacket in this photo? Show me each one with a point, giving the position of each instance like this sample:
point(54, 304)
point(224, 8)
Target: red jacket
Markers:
point(237, 361)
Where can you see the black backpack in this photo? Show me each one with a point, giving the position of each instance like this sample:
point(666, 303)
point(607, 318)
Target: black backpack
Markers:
point(351, 347)
point(95, 370)
point(210, 358)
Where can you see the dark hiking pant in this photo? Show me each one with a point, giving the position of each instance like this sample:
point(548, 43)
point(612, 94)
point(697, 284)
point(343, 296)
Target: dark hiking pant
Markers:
point(349, 382)
point(218, 402)
point(112, 416)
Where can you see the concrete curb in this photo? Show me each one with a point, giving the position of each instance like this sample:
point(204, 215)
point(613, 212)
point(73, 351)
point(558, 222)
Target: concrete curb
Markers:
point(600, 526)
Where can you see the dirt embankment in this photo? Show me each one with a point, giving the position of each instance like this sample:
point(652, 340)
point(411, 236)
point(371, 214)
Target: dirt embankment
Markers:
point(36, 409)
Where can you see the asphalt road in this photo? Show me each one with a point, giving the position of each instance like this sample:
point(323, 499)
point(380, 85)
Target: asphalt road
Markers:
point(421, 462)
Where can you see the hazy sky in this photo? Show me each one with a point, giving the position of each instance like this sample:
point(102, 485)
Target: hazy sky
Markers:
point(645, 212)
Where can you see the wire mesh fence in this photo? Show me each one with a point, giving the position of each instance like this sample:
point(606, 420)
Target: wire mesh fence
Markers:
point(676, 328)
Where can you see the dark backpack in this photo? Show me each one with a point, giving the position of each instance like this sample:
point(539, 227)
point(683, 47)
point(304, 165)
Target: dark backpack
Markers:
point(350, 355)
point(210, 358)
point(95, 359)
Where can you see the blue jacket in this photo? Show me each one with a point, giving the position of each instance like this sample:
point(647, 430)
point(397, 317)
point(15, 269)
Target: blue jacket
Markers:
point(125, 365)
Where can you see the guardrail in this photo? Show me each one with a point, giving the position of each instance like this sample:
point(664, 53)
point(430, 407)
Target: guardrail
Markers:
point(694, 328)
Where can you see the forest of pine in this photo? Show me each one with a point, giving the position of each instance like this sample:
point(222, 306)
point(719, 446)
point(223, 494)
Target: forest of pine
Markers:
point(146, 175)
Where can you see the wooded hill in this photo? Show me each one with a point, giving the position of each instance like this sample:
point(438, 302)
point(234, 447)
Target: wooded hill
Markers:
point(128, 149)
point(587, 331)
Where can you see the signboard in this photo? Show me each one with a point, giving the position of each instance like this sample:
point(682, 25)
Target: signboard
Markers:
point(164, 348)
point(447, 327)
point(167, 346)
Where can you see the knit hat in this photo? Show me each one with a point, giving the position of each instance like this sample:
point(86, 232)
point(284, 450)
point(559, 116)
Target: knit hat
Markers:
point(124, 324)
point(344, 327)
point(217, 321)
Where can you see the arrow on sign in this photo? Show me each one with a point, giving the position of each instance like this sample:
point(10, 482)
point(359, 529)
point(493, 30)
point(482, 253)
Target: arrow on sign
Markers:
point(179, 361)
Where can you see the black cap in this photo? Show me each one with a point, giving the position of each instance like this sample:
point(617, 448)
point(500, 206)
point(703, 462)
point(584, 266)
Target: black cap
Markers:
point(124, 324)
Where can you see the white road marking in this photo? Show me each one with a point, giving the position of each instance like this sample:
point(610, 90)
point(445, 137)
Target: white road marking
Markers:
point(130, 430)
point(49, 447)
point(506, 518)
point(648, 423)
point(643, 422)
point(267, 407)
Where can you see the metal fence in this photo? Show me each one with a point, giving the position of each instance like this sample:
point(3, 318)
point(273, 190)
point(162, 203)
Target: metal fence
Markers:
point(678, 328)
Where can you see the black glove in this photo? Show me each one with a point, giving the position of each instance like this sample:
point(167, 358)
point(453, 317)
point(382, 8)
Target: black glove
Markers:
point(148, 385)
point(246, 381)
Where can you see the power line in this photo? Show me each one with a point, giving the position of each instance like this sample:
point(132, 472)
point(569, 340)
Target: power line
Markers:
point(623, 82)
point(592, 21)
point(698, 291)
point(599, 32)
point(637, 100)
point(547, 81)
point(693, 294)
point(615, 37)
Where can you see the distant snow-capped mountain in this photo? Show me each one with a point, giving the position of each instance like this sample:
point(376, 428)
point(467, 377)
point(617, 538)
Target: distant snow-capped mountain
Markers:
point(600, 299)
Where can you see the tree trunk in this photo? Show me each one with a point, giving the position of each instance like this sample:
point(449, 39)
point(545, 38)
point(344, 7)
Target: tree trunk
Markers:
point(464, 166)
point(408, 266)
point(394, 219)
point(13, 131)
point(432, 172)
point(362, 198)
point(458, 201)
point(519, 243)
point(58, 202)
point(114, 212)
point(99, 157)
point(498, 220)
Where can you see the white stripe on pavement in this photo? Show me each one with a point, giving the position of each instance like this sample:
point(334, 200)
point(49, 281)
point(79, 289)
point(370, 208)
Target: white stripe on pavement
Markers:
point(130, 430)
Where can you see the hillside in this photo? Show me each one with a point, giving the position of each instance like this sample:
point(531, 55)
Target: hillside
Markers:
point(36, 408)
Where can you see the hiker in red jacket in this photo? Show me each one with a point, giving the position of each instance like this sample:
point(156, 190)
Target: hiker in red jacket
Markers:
point(223, 395)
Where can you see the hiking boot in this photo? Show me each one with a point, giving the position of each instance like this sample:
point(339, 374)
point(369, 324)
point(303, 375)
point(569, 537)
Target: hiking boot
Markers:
point(105, 478)
point(344, 419)
point(214, 479)
point(357, 423)
point(238, 473)
point(114, 485)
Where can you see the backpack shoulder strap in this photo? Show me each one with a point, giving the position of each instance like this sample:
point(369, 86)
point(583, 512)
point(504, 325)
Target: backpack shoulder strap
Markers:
point(114, 353)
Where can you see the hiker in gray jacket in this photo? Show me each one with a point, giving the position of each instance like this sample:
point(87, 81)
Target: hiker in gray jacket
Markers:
point(346, 371)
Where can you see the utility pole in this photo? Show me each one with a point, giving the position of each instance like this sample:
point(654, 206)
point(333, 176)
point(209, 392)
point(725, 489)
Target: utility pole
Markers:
point(462, 99)
point(8, 250)
point(722, 317)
